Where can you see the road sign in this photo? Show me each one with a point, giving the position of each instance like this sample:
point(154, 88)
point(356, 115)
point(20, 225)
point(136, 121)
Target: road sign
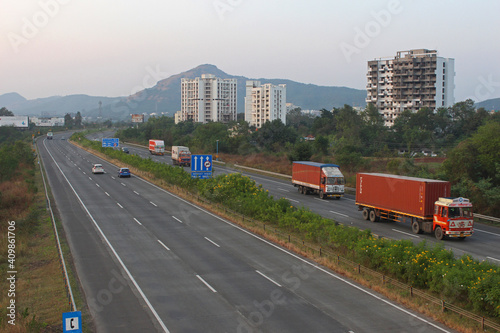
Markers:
point(201, 175)
point(72, 322)
point(201, 163)
point(110, 142)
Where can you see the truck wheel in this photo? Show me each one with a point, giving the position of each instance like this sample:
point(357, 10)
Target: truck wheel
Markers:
point(304, 190)
point(373, 216)
point(415, 227)
point(366, 213)
point(299, 189)
point(438, 232)
point(321, 195)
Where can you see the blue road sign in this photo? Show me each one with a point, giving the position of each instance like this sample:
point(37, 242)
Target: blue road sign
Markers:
point(201, 163)
point(72, 322)
point(110, 142)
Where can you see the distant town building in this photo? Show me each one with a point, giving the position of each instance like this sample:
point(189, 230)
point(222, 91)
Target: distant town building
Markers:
point(410, 81)
point(208, 98)
point(290, 107)
point(265, 102)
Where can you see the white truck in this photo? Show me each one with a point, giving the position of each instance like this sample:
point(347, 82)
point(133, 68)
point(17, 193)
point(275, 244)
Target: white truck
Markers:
point(156, 147)
point(181, 156)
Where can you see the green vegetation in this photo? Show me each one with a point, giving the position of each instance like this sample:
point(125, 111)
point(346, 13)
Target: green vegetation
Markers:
point(359, 141)
point(40, 295)
point(465, 281)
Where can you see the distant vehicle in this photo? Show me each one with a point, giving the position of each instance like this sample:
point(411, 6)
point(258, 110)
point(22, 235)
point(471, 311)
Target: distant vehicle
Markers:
point(425, 203)
point(63, 138)
point(156, 147)
point(123, 172)
point(313, 177)
point(50, 135)
point(181, 156)
point(97, 168)
point(125, 150)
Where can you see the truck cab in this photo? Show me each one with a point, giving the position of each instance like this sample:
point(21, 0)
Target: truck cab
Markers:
point(453, 217)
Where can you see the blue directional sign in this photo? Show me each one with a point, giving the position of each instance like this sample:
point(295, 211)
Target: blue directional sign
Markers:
point(72, 322)
point(110, 142)
point(201, 163)
point(201, 166)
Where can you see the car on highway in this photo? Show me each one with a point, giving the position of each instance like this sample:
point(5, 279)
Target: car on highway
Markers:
point(97, 168)
point(123, 172)
point(125, 150)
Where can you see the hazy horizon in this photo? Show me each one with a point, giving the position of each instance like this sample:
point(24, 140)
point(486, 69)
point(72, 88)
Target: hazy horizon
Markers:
point(63, 47)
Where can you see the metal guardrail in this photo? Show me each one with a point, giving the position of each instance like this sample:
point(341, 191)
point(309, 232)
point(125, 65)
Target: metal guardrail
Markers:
point(488, 218)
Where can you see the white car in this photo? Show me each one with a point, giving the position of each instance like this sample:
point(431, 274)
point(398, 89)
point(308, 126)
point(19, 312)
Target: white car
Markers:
point(97, 168)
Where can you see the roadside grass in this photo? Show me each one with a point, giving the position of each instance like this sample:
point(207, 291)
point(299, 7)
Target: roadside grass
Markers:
point(40, 292)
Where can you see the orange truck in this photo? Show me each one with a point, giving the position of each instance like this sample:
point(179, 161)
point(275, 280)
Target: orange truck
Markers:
point(156, 147)
point(323, 179)
point(425, 203)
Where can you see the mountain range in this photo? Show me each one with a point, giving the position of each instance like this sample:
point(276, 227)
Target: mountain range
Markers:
point(165, 97)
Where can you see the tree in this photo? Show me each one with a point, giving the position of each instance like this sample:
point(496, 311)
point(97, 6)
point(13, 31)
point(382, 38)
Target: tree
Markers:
point(302, 152)
point(5, 112)
point(68, 121)
point(78, 120)
point(321, 145)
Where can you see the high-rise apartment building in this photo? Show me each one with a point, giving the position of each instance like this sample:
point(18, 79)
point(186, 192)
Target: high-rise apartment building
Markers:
point(265, 102)
point(208, 98)
point(410, 81)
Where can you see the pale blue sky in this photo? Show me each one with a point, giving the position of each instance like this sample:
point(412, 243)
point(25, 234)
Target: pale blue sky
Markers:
point(113, 48)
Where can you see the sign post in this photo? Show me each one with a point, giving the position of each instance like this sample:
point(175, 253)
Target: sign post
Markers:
point(110, 142)
point(201, 166)
point(72, 322)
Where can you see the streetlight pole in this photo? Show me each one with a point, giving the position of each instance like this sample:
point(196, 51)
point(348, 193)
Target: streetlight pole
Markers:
point(217, 154)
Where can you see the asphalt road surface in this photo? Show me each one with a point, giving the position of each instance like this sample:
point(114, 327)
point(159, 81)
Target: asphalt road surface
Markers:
point(150, 261)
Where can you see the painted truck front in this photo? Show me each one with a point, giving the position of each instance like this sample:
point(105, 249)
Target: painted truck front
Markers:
point(181, 156)
point(156, 147)
point(324, 179)
point(420, 201)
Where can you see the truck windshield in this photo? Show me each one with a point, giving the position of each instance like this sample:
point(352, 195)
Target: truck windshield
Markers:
point(460, 212)
point(335, 181)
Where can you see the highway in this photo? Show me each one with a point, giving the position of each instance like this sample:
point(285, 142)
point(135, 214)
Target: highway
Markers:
point(482, 245)
point(150, 261)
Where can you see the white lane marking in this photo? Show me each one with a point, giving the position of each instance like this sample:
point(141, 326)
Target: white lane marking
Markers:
point(119, 205)
point(112, 177)
point(493, 258)
point(405, 233)
point(205, 282)
point(159, 241)
point(211, 241)
point(107, 194)
point(84, 173)
point(144, 297)
point(175, 218)
point(123, 184)
point(136, 220)
point(136, 192)
point(292, 200)
point(314, 265)
point(339, 213)
point(267, 277)
point(97, 185)
point(90, 178)
point(151, 202)
point(282, 189)
point(488, 232)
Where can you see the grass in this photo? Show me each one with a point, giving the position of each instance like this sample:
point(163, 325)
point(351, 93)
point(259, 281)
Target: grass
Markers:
point(40, 292)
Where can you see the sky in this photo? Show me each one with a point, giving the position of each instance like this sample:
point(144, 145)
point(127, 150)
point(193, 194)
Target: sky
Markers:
point(118, 47)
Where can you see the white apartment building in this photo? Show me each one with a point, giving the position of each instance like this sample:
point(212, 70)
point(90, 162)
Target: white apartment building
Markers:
point(208, 98)
point(264, 103)
point(410, 81)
